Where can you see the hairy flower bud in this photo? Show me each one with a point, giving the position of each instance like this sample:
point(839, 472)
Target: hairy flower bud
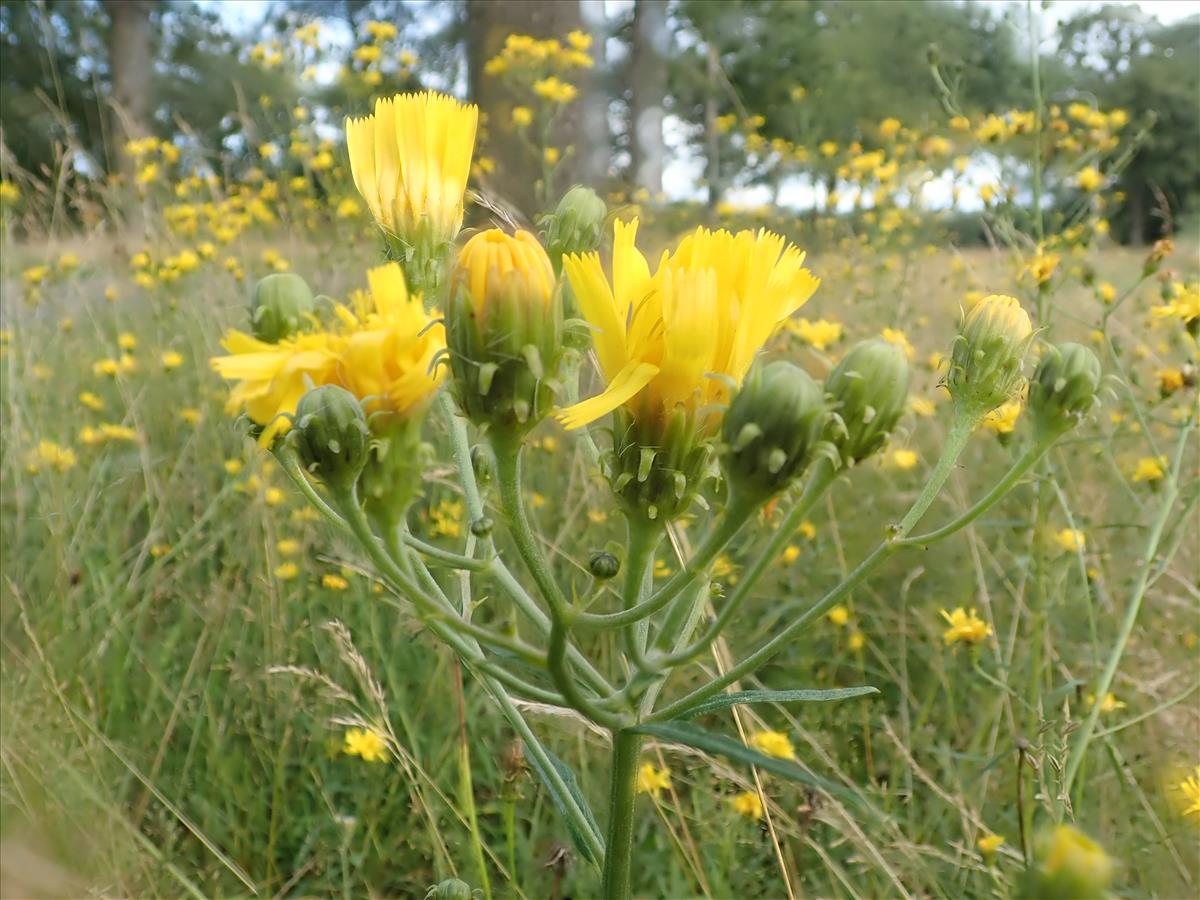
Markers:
point(772, 427)
point(450, 889)
point(281, 305)
point(867, 390)
point(575, 225)
point(1063, 389)
point(504, 330)
point(1068, 866)
point(989, 354)
point(330, 435)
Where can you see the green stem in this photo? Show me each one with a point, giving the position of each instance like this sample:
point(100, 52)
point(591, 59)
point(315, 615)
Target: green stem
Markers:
point(987, 501)
point(736, 515)
point(956, 440)
point(622, 797)
point(639, 561)
point(1087, 730)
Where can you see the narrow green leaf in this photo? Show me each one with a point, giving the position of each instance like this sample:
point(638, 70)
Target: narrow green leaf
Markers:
point(721, 745)
point(724, 701)
point(572, 783)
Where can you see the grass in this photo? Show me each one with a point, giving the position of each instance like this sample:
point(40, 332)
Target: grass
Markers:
point(174, 709)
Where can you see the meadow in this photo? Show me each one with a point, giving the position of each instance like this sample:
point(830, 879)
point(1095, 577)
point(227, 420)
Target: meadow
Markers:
point(210, 690)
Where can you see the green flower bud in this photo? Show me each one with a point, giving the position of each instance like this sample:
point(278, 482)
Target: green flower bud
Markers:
point(1068, 866)
point(330, 435)
point(867, 390)
point(1063, 389)
point(484, 464)
point(281, 306)
point(657, 469)
point(576, 224)
point(989, 355)
point(482, 526)
point(504, 331)
point(603, 565)
point(450, 889)
point(772, 427)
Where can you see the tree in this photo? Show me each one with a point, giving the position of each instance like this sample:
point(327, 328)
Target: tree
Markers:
point(1126, 59)
point(130, 64)
point(647, 80)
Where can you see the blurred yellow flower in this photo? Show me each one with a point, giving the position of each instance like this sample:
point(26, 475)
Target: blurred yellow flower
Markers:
point(653, 780)
point(839, 615)
point(52, 455)
point(365, 743)
point(334, 582)
point(773, 743)
point(1003, 419)
point(1149, 468)
point(965, 627)
point(903, 459)
point(748, 804)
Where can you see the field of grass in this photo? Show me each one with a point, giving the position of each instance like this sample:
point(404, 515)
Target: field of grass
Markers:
point(180, 669)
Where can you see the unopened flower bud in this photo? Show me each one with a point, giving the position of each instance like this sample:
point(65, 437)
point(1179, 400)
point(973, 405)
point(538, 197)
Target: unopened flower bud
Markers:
point(989, 354)
point(1063, 389)
point(483, 463)
point(603, 566)
point(1068, 866)
point(482, 526)
point(330, 435)
point(772, 427)
point(450, 889)
point(504, 330)
point(576, 224)
point(281, 306)
point(868, 390)
point(1162, 248)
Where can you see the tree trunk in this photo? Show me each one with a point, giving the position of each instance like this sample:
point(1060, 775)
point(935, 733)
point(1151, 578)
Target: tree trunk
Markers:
point(130, 61)
point(710, 126)
point(515, 182)
point(648, 90)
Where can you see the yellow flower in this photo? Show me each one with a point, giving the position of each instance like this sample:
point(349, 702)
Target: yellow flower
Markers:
point(1149, 468)
point(287, 546)
point(367, 53)
point(171, 359)
point(899, 338)
point(287, 571)
point(1003, 419)
point(1107, 291)
point(411, 160)
point(773, 743)
point(381, 31)
point(820, 334)
point(48, 453)
point(1169, 381)
point(807, 530)
point(1070, 540)
point(91, 401)
point(365, 743)
point(447, 518)
point(921, 406)
point(551, 155)
point(965, 627)
point(381, 353)
point(903, 459)
point(748, 804)
point(274, 496)
point(856, 641)
point(388, 345)
point(334, 582)
point(839, 615)
point(555, 90)
point(191, 415)
point(989, 843)
point(1108, 703)
point(680, 337)
point(1042, 266)
point(1089, 179)
point(889, 127)
point(233, 467)
point(522, 116)
point(791, 553)
point(652, 780)
point(1190, 789)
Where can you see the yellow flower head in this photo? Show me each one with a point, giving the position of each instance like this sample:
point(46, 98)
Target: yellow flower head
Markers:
point(366, 743)
point(1149, 468)
point(821, 333)
point(382, 353)
point(773, 743)
point(1189, 790)
point(652, 780)
point(388, 346)
point(1003, 419)
point(682, 336)
point(748, 804)
point(989, 843)
point(496, 269)
point(965, 627)
point(1070, 540)
point(410, 161)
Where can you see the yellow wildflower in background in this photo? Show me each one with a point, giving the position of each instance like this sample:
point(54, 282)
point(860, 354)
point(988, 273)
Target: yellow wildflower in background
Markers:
point(899, 338)
point(334, 582)
point(410, 160)
point(1189, 788)
point(287, 571)
point(903, 459)
point(748, 804)
point(652, 780)
point(965, 627)
point(1070, 540)
point(1108, 703)
point(1003, 419)
point(821, 333)
point(52, 455)
point(773, 743)
point(1089, 179)
point(989, 843)
point(365, 743)
point(839, 615)
point(1150, 468)
point(678, 338)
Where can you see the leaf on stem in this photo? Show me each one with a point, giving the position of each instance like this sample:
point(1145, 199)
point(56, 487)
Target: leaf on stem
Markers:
point(724, 701)
point(568, 776)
